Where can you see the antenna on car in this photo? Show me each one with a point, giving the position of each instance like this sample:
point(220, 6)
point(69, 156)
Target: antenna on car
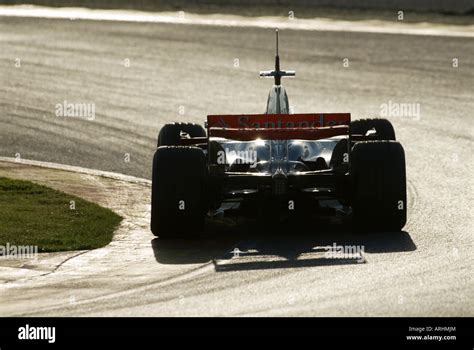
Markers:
point(277, 73)
point(276, 32)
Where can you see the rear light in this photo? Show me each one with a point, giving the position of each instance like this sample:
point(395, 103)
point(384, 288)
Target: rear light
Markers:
point(279, 184)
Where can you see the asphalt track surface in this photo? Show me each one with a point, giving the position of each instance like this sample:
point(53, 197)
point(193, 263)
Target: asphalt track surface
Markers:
point(182, 73)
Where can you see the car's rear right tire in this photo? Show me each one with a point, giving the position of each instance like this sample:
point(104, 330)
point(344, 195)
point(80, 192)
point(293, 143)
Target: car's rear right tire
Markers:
point(178, 201)
point(340, 158)
point(383, 128)
point(378, 181)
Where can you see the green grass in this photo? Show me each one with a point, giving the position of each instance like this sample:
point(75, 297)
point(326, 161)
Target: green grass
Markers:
point(36, 215)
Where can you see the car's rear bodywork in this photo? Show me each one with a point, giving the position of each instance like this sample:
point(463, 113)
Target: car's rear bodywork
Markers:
point(278, 157)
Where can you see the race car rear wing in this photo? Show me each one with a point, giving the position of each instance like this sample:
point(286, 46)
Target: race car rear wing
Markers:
point(309, 126)
point(278, 121)
point(249, 134)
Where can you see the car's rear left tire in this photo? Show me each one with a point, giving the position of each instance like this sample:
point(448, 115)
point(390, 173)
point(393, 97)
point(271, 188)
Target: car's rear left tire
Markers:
point(170, 134)
point(178, 202)
point(378, 182)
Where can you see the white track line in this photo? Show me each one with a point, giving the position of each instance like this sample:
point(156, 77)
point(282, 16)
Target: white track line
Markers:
point(76, 169)
point(317, 24)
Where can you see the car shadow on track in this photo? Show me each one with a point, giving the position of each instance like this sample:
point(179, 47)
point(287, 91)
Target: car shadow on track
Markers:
point(247, 245)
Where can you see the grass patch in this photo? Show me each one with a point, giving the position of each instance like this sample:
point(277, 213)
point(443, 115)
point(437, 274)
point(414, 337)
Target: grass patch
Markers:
point(32, 214)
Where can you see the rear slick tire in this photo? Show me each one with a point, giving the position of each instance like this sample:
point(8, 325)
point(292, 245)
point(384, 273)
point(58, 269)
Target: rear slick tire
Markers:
point(378, 179)
point(383, 128)
point(178, 200)
point(170, 134)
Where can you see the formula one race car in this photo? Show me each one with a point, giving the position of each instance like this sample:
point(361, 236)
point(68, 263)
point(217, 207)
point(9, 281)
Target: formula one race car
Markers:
point(276, 164)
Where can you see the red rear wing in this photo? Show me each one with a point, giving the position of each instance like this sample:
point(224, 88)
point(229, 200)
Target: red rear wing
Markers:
point(279, 134)
point(278, 121)
point(311, 126)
